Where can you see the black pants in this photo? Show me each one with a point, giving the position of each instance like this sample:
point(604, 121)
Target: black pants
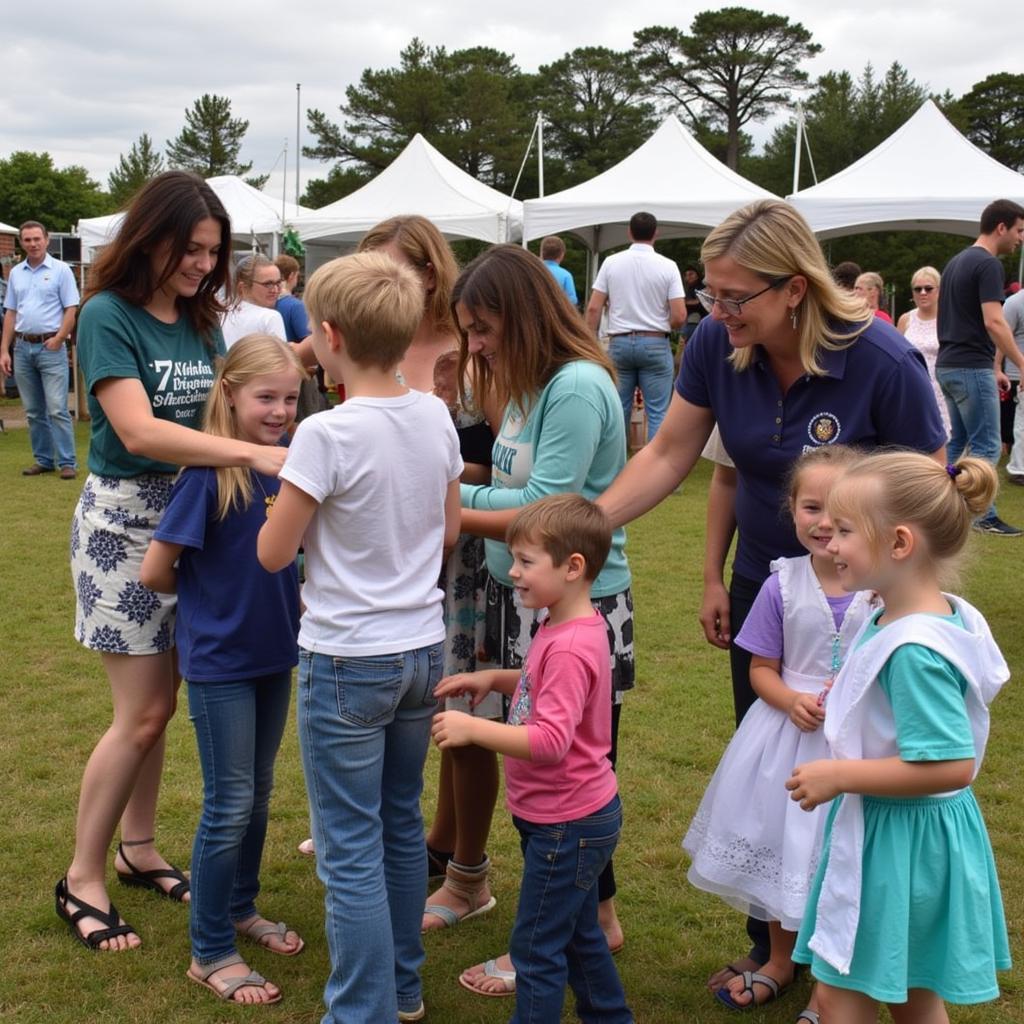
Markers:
point(742, 592)
point(606, 880)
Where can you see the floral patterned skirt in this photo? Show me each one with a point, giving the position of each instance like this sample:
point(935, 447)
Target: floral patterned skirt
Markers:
point(113, 524)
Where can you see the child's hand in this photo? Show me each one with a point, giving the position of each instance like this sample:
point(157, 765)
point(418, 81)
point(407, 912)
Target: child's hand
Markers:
point(452, 729)
point(475, 685)
point(814, 783)
point(805, 712)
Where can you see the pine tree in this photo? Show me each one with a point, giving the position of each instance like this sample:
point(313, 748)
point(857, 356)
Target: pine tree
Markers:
point(211, 139)
point(134, 169)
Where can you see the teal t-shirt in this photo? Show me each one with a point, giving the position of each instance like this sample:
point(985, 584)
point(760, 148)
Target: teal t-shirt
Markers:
point(927, 694)
point(174, 364)
point(572, 440)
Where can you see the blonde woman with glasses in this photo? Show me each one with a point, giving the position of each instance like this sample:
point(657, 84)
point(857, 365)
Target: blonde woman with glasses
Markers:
point(785, 362)
point(920, 327)
point(257, 287)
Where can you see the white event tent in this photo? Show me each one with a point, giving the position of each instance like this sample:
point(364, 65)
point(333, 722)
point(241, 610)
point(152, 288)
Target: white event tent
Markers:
point(6, 229)
point(418, 181)
point(254, 215)
point(671, 175)
point(925, 177)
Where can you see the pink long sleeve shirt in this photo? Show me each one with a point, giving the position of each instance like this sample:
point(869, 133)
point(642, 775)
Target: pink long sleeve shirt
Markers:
point(564, 698)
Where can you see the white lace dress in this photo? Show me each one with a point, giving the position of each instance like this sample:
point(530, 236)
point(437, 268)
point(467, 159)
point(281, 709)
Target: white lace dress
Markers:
point(749, 843)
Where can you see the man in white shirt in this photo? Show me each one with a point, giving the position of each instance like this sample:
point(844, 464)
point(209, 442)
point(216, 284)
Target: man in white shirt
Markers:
point(646, 301)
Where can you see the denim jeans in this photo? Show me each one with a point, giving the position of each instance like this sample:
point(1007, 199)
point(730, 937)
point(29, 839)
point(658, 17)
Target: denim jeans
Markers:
point(644, 361)
point(364, 729)
point(556, 936)
point(973, 402)
point(238, 731)
point(42, 378)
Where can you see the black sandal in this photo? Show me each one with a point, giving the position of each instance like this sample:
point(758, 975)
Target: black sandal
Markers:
point(111, 918)
point(148, 879)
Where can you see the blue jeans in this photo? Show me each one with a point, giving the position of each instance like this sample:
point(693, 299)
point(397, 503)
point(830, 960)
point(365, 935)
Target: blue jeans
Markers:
point(364, 729)
point(973, 402)
point(42, 378)
point(556, 936)
point(644, 361)
point(238, 731)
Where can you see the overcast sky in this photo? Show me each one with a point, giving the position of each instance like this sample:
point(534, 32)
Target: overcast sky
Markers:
point(84, 80)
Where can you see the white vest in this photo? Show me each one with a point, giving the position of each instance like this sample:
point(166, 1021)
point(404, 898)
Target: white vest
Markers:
point(859, 725)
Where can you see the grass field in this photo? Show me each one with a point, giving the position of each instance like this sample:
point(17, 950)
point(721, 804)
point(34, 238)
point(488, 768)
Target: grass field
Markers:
point(675, 725)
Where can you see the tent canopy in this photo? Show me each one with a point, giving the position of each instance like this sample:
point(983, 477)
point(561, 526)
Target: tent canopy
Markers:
point(418, 181)
point(926, 177)
point(6, 229)
point(671, 175)
point(252, 213)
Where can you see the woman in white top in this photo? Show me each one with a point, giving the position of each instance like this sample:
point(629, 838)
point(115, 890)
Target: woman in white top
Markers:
point(257, 286)
point(920, 326)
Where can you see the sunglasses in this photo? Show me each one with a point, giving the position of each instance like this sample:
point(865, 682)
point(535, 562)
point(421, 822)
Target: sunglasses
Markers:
point(924, 288)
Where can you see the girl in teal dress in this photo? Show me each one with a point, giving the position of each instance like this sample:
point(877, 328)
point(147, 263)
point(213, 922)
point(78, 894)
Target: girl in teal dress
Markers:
point(905, 908)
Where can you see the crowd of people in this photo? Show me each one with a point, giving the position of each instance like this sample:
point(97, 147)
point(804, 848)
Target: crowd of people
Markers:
point(460, 517)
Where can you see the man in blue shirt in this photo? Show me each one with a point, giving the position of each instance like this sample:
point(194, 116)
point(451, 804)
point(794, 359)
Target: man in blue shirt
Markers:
point(552, 252)
point(39, 314)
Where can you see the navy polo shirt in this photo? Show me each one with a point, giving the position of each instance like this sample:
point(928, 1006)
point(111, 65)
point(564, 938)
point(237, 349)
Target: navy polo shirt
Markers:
point(874, 392)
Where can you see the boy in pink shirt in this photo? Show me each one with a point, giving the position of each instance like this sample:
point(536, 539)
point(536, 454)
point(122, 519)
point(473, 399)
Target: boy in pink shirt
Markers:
point(559, 783)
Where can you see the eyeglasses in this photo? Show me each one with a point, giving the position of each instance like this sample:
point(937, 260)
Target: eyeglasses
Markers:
point(924, 288)
point(733, 307)
point(270, 284)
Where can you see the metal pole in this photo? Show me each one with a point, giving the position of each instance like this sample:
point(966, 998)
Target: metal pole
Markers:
point(284, 183)
point(799, 145)
point(298, 147)
point(540, 153)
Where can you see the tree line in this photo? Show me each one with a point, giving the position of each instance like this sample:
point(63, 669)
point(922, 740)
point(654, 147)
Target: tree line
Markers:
point(731, 68)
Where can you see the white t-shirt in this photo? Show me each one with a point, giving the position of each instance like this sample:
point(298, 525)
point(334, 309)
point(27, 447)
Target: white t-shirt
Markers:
point(639, 284)
point(248, 318)
point(380, 470)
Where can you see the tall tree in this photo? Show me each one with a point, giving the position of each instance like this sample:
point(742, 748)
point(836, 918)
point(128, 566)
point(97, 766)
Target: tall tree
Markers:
point(734, 66)
point(31, 188)
point(594, 101)
point(134, 169)
point(211, 140)
point(993, 117)
point(845, 118)
point(471, 104)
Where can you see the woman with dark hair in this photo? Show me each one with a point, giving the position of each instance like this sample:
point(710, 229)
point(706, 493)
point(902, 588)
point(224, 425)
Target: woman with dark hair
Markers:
point(148, 336)
point(562, 432)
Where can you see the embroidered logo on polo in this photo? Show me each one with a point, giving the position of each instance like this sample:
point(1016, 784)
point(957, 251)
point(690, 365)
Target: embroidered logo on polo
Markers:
point(824, 428)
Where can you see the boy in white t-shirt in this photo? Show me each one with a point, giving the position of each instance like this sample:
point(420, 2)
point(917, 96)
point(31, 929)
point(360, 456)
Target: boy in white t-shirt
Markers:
point(371, 491)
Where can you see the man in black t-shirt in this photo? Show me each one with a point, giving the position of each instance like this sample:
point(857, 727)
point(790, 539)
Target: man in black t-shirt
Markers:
point(972, 331)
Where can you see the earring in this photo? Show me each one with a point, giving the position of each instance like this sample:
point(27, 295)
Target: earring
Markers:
point(794, 317)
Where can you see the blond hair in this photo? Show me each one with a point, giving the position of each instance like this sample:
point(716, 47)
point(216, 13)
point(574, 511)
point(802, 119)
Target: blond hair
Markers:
point(540, 331)
point(888, 489)
point(245, 273)
point(564, 525)
point(928, 274)
point(255, 355)
point(424, 247)
point(376, 303)
point(839, 456)
point(770, 239)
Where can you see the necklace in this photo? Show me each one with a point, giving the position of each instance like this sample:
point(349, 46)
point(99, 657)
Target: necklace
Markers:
point(833, 668)
point(268, 499)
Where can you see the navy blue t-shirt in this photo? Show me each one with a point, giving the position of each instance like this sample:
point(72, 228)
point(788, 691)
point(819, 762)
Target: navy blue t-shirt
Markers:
point(874, 392)
point(235, 620)
point(293, 312)
point(970, 278)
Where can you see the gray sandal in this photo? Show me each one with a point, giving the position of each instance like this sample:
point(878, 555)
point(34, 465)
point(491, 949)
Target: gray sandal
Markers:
point(810, 1016)
point(231, 985)
point(259, 931)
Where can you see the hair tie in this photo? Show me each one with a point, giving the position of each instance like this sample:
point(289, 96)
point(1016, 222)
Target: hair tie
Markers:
point(954, 471)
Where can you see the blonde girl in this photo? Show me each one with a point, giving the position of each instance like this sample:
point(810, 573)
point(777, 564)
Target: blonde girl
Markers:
point(748, 843)
point(236, 633)
point(905, 908)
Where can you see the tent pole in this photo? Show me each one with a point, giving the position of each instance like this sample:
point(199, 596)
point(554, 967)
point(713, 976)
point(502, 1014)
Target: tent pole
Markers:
point(540, 153)
point(799, 145)
point(298, 148)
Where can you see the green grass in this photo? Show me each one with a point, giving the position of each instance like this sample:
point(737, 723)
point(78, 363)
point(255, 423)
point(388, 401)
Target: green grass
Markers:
point(675, 725)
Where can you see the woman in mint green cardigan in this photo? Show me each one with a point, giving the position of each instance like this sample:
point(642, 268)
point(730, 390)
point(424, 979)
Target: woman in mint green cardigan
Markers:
point(562, 432)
